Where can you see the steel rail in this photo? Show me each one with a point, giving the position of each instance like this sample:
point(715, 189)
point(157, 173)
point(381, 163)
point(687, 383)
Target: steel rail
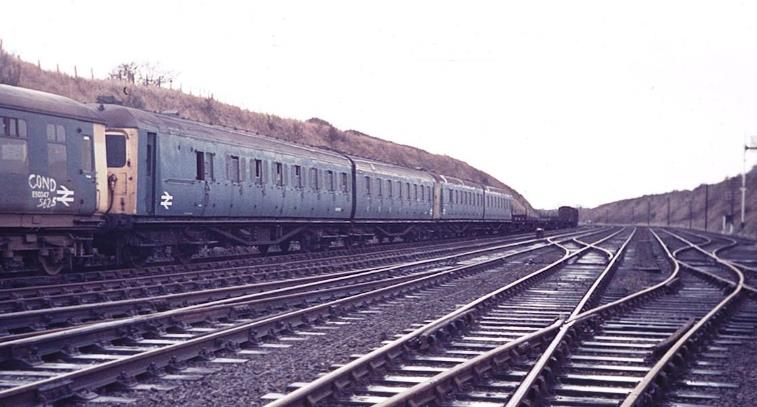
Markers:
point(437, 386)
point(529, 390)
point(333, 382)
point(130, 283)
point(528, 385)
point(608, 253)
point(650, 387)
point(426, 392)
point(66, 385)
point(43, 317)
point(48, 341)
point(235, 260)
point(713, 255)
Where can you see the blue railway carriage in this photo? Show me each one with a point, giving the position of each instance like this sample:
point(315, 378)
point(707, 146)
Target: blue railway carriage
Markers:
point(166, 171)
point(390, 192)
point(51, 181)
point(106, 184)
point(460, 200)
point(497, 205)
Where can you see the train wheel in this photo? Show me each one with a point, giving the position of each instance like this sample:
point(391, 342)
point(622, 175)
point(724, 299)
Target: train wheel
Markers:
point(136, 257)
point(183, 254)
point(51, 267)
point(52, 263)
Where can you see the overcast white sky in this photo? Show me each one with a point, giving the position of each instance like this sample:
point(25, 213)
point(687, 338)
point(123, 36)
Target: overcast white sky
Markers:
point(636, 97)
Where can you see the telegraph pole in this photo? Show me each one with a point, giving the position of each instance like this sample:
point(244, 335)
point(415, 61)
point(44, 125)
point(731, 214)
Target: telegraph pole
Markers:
point(690, 211)
point(706, 202)
point(668, 209)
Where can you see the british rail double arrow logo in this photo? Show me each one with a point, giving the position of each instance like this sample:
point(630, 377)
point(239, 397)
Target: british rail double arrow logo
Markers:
point(65, 195)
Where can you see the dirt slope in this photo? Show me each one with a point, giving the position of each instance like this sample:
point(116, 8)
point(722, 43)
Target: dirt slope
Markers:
point(722, 198)
point(314, 132)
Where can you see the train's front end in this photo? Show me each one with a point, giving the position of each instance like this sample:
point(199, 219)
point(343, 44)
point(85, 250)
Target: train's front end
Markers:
point(51, 191)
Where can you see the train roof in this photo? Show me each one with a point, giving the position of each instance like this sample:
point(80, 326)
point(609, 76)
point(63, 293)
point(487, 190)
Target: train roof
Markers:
point(117, 116)
point(13, 97)
point(459, 182)
point(378, 167)
point(499, 191)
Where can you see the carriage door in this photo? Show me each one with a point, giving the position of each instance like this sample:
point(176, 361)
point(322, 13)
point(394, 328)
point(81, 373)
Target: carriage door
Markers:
point(149, 172)
point(121, 147)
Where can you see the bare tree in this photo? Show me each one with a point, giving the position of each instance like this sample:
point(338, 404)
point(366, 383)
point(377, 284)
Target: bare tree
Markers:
point(145, 74)
point(125, 72)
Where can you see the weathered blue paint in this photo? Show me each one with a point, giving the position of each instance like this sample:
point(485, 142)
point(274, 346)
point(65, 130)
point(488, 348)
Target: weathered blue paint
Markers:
point(383, 193)
point(37, 189)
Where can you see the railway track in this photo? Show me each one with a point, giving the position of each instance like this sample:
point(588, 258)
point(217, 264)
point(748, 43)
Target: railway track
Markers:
point(535, 303)
point(713, 376)
point(65, 364)
point(565, 353)
point(706, 257)
point(670, 369)
point(280, 262)
point(35, 320)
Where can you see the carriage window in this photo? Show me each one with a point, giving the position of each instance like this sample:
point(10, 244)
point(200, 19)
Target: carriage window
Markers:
point(57, 156)
point(345, 182)
point(115, 150)
point(368, 186)
point(399, 187)
point(423, 193)
point(60, 134)
point(314, 179)
point(209, 172)
point(256, 167)
point(415, 187)
point(451, 196)
point(204, 166)
point(279, 174)
point(22, 128)
point(12, 127)
point(13, 149)
point(199, 160)
point(234, 174)
point(56, 133)
point(379, 189)
point(297, 175)
point(407, 189)
point(330, 180)
point(389, 192)
point(57, 159)
point(13, 156)
point(86, 154)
